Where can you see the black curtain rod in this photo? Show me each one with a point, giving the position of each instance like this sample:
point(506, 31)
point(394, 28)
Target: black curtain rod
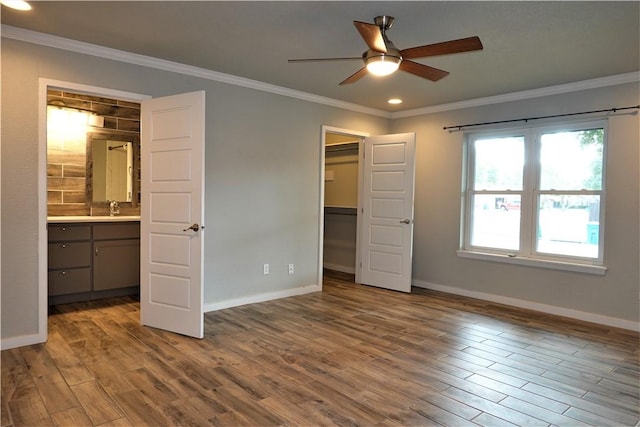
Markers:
point(610, 110)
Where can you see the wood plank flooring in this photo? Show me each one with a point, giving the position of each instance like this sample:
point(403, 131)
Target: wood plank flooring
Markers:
point(350, 355)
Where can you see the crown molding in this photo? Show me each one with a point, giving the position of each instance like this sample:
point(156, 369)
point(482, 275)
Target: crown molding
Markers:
point(43, 39)
point(56, 42)
point(527, 94)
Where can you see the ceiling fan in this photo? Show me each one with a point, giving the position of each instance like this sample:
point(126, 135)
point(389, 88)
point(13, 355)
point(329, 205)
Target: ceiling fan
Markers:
point(383, 58)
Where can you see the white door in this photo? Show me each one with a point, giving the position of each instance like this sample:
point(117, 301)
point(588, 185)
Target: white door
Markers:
point(172, 210)
point(387, 211)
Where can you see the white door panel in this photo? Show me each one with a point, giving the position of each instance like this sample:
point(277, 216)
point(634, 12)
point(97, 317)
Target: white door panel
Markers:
point(171, 207)
point(386, 264)
point(168, 250)
point(170, 291)
point(387, 218)
point(171, 166)
point(172, 155)
point(388, 180)
point(387, 235)
point(387, 208)
point(393, 154)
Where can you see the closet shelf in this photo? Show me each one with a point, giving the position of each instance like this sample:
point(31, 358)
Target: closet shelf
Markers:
point(341, 210)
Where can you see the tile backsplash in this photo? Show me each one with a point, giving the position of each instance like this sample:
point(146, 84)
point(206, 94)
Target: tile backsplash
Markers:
point(68, 165)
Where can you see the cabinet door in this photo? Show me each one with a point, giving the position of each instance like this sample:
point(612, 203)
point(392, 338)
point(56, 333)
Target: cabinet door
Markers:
point(116, 264)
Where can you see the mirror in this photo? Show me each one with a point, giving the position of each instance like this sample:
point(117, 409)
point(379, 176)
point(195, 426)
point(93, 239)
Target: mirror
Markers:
point(112, 170)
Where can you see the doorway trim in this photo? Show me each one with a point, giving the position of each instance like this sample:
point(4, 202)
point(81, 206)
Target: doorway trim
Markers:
point(43, 85)
point(323, 132)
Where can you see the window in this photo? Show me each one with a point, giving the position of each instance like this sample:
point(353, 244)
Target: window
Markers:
point(536, 194)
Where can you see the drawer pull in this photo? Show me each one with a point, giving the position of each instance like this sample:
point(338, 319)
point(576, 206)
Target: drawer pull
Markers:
point(96, 251)
point(63, 228)
point(63, 273)
point(63, 246)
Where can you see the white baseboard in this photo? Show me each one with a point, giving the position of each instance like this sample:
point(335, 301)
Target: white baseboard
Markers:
point(22, 340)
point(544, 308)
point(268, 296)
point(340, 268)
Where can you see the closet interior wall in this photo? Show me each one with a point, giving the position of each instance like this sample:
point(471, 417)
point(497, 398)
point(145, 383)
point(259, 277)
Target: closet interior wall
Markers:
point(341, 202)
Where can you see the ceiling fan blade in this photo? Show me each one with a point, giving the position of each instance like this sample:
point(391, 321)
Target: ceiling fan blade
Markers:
point(355, 76)
point(372, 36)
point(359, 58)
point(421, 70)
point(443, 48)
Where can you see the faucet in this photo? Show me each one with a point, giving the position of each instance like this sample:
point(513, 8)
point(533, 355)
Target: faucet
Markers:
point(114, 208)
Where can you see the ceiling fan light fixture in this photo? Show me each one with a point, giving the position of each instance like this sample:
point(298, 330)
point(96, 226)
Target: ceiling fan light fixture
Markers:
point(382, 65)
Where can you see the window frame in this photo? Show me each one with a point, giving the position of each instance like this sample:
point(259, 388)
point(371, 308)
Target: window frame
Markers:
point(528, 253)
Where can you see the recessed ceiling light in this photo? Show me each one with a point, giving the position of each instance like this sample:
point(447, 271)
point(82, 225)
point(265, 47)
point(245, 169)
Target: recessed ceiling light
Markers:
point(16, 4)
point(395, 101)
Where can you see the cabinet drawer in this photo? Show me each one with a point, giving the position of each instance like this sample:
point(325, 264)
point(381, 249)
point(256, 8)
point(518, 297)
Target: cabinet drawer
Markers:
point(67, 255)
point(64, 282)
point(116, 231)
point(63, 232)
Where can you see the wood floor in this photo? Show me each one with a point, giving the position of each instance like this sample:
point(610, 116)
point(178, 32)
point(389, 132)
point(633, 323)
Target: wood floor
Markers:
point(351, 355)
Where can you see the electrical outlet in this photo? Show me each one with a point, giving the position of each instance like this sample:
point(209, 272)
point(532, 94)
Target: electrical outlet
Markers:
point(291, 269)
point(265, 269)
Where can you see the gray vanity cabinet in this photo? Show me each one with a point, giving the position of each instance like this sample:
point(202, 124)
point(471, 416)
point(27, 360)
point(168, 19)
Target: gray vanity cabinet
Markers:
point(93, 260)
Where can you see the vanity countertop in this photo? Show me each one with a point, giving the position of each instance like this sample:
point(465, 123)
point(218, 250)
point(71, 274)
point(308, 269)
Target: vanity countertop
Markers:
point(83, 218)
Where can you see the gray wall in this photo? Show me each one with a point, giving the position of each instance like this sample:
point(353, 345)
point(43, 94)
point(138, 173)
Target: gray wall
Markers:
point(262, 176)
point(262, 188)
point(437, 210)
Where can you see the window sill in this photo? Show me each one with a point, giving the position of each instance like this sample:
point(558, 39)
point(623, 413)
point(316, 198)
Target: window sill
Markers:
point(531, 262)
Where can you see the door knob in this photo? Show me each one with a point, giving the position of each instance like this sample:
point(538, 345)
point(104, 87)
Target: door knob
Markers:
point(194, 227)
point(406, 221)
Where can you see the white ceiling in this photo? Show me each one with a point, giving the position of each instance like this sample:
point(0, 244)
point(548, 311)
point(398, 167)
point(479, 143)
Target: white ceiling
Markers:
point(527, 45)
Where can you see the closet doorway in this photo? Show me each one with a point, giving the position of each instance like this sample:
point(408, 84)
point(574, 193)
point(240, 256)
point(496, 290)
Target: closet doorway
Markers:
point(342, 171)
point(367, 227)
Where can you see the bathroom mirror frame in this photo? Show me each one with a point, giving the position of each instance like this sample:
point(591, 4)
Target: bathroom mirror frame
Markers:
point(135, 143)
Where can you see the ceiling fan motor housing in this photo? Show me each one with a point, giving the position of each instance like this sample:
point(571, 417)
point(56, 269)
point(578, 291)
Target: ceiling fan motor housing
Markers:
point(384, 22)
point(391, 52)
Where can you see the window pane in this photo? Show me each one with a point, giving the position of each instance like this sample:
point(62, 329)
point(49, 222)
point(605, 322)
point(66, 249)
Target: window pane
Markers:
point(496, 221)
point(499, 163)
point(569, 225)
point(571, 160)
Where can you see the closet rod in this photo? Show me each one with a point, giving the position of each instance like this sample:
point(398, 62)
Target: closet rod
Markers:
point(609, 110)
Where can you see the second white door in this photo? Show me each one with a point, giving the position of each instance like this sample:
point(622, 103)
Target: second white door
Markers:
point(386, 239)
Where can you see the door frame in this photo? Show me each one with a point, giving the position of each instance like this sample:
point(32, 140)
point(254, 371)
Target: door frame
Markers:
point(43, 85)
point(347, 132)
